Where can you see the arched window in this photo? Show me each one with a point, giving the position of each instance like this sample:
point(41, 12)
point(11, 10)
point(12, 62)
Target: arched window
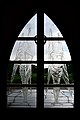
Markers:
point(40, 66)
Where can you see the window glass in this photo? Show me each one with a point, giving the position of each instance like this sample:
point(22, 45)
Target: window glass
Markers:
point(24, 51)
point(30, 29)
point(56, 51)
point(50, 29)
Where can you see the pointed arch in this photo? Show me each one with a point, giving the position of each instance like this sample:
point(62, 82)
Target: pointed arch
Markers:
point(26, 50)
point(50, 29)
point(54, 50)
point(30, 29)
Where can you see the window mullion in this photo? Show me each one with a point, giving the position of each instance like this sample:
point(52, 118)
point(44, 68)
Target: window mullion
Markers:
point(40, 59)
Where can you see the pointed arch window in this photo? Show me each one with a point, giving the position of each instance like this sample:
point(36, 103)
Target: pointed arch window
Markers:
point(39, 55)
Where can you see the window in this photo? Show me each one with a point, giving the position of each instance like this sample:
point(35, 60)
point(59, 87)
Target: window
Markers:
point(40, 70)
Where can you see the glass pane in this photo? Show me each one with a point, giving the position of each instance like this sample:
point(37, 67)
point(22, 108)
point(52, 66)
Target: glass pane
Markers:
point(59, 97)
point(58, 74)
point(24, 51)
point(22, 73)
point(21, 97)
point(50, 29)
point(56, 51)
point(30, 29)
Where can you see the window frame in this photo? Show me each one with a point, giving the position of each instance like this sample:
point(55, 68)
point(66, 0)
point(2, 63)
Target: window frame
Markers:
point(40, 40)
